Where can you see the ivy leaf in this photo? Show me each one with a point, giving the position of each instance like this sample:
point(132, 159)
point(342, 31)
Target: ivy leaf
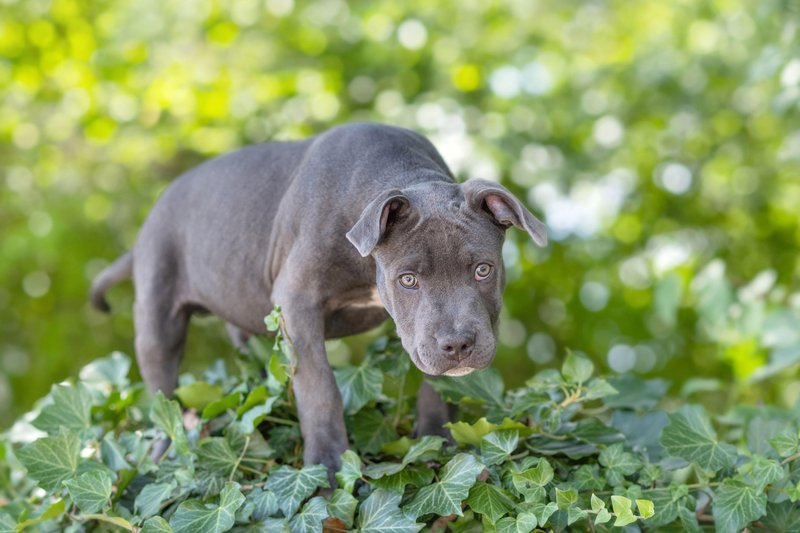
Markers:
point(464, 433)
point(498, 445)
point(371, 430)
point(484, 386)
point(760, 471)
point(736, 504)
point(646, 508)
point(380, 513)
point(668, 502)
point(424, 449)
point(587, 477)
point(291, 486)
point(602, 517)
point(343, 506)
point(258, 505)
point(489, 500)
point(54, 510)
point(156, 525)
point(623, 509)
point(786, 442)
point(107, 372)
point(543, 512)
point(358, 385)
point(618, 463)
point(690, 436)
point(148, 501)
point(51, 460)
point(523, 523)
point(90, 491)
point(577, 368)
point(309, 519)
point(531, 482)
point(7, 524)
point(574, 514)
point(419, 476)
point(166, 414)
point(216, 456)
point(566, 498)
point(216, 408)
point(194, 516)
point(350, 471)
point(598, 388)
point(71, 409)
point(199, 394)
point(113, 453)
point(445, 496)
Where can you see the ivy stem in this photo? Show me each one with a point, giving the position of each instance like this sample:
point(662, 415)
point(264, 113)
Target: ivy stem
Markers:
point(791, 458)
point(100, 518)
point(400, 398)
point(239, 460)
point(278, 420)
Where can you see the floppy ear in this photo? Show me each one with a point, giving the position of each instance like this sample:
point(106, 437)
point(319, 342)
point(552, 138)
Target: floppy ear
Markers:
point(488, 196)
point(375, 219)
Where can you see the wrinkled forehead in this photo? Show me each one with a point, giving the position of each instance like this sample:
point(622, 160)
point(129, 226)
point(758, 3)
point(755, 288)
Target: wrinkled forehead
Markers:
point(442, 243)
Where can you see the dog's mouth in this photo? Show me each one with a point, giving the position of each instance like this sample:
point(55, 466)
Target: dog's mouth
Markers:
point(458, 372)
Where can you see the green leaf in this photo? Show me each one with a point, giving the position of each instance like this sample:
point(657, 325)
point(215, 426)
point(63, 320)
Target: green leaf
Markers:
point(577, 368)
point(199, 394)
point(464, 433)
point(156, 525)
point(497, 446)
point(597, 503)
point(273, 319)
point(598, 388)
point(574, 514)
point(309, 519)
point(343, 506)
point(7, 524)
point(70, 409)
point(258, 505)
point(107, 372)
point(113, 453)
point(90, 491)
point(736, 504)
point(371, 430)
point(646, 508)
point(523, 523)
point(618, 463)
point(194, 516)
point(216, 456)
point(542, 511)
point(786, 442)
point(358, 385)
point(690, 436)
point(216, 408)
point(166, 414)
point(424, 449)
point(148, 501)
point(482, 386)
point(257, 396)
point(292, 486)
point(668, 503)
point(51, 460)
point(623, 509)
point(602, 517)
point(566, 498)
point(55, 510)
point(419, 476)
point(445, 496)
point(490, 501)
point(350, 470)
point(380, 513)
point(760, 471)
point(530, 483)
point(253, 417)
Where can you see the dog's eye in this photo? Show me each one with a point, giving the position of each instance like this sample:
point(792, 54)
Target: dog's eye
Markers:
point(482, 271)
point(409, 281)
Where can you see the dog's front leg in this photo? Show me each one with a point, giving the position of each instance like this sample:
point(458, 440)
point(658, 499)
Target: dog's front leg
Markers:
point(319, 404)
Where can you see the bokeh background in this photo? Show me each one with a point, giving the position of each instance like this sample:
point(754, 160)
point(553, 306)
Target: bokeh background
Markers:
point(660, 141)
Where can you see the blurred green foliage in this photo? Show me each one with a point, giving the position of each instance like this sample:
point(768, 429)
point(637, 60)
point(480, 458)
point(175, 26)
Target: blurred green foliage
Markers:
point(659, 140)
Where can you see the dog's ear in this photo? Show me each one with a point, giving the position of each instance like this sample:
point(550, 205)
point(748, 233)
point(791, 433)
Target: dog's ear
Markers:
point(376, 218)
point(494, 199)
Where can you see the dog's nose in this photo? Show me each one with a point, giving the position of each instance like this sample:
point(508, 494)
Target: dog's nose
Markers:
point(456, 346)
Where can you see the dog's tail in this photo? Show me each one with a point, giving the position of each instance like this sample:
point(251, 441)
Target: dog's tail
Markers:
point(116, 272)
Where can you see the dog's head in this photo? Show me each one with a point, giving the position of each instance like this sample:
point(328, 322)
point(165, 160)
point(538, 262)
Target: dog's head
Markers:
point(438, 251)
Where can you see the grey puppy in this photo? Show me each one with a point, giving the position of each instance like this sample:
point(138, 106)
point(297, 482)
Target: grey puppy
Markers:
point(342, 230)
